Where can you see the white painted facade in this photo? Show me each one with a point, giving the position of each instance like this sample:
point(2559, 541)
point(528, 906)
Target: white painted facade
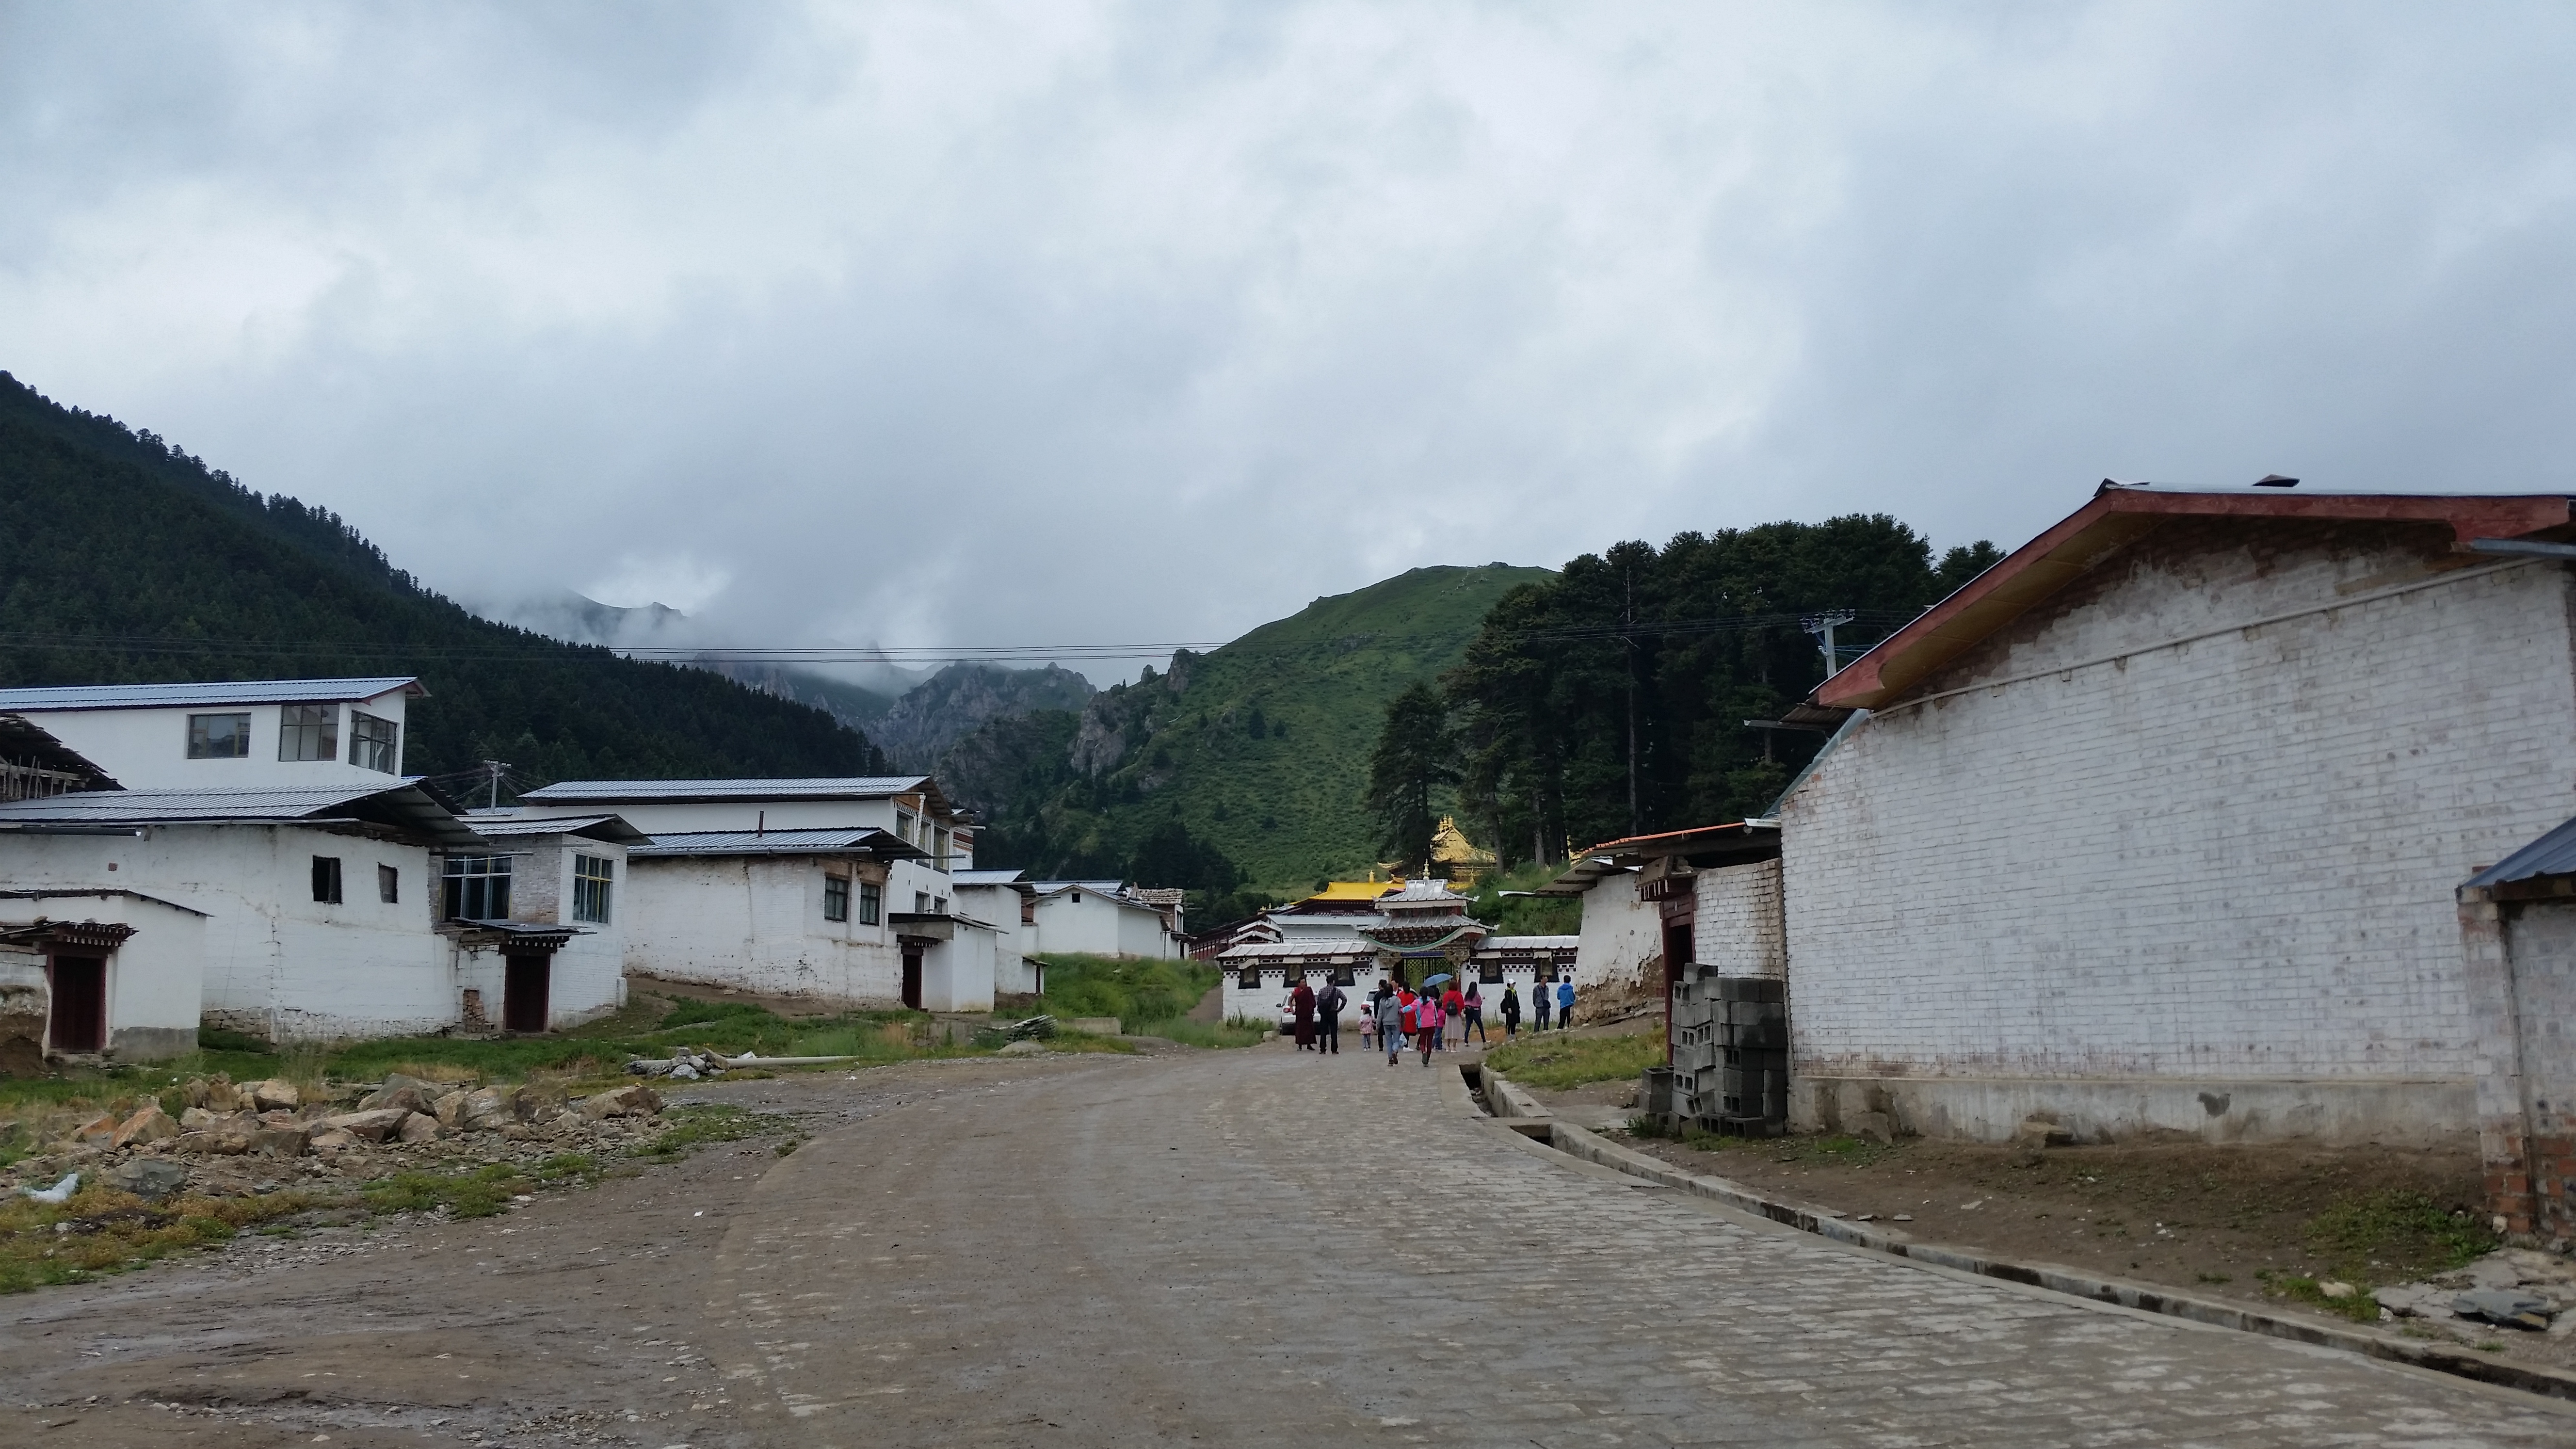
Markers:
point(586, 974)
point(761, 923)
point(1092, 918)
point(145, 745)
point(1000, 899)
point(1737, 923)
point(154, 978)
point(276, 963)
point(2159, 865)
point(1620, 933)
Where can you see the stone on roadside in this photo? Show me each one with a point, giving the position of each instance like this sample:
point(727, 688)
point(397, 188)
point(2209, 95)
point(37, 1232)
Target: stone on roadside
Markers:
point(2333, 1289)
point(1875, 1127)
point(390, 1094)
point(275, 1141)
point(275, 1094)
point(1022, 1049)
point(332, 1140)
point(197, 1119)
point(487, 1109)
point(450, 1110)
point(149, 1178)
point(2503, 1306)
point(2042, 1129)
point(99, 1131)
point(149, 1125)
point(420, 1127)
point(632, 1100)
point(375, 1125)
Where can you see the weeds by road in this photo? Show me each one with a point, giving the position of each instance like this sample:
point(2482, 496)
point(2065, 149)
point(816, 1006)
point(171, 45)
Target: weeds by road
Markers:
point(1555, 1061)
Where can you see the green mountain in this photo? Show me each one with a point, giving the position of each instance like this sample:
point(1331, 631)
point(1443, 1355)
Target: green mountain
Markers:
point(128, 560)
point(1259, 749)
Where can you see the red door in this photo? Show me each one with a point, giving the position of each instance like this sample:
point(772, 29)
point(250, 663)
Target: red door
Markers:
point(79, 1020)
point(912, 977)
point(523, 993)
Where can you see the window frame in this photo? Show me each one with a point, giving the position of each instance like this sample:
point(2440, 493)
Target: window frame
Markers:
point(313, 730)
point(594, 892)
point(373, 738)
point(201, 738)
point(456, 886)
point(388, 885)
point(871, 903)
point(836, 897)
point(326, 881)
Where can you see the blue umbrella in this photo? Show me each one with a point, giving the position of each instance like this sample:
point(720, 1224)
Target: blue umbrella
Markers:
point(1435, 980)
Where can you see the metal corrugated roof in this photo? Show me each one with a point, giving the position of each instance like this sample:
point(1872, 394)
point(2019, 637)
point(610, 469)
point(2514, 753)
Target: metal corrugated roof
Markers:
point(233, 691)
point(405, 807)
point(777, 842)
point(986, 877)
point(511, 823)
point(856, 787)
point(2551, 854)
point(1263, 949)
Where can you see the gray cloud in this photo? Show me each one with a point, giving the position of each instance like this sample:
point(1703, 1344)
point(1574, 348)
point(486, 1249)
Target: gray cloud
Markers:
point(966, 325)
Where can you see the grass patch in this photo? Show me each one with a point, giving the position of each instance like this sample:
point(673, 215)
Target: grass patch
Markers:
point(1139, 991)
point(1557, 1061)
point(2360, 1307)
point(699, 1123)
point(1204, 1033)
point(102, 1231)
point(2385, 1236)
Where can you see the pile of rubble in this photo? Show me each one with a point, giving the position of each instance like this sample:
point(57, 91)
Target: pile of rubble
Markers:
point(231, 1139)
point(688, 1064)
point(2514, 1288)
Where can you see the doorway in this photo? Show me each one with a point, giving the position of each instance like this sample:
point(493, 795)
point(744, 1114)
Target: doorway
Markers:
point(78, 1020)
point(523, 993)
point(912, 976)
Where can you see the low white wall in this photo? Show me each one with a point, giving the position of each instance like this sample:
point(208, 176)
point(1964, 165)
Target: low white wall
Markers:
point(756, 923)
point(154, 981)
point(1620, 932)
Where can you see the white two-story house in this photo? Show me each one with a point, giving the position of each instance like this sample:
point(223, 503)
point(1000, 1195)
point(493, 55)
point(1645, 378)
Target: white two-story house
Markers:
point(234, 734)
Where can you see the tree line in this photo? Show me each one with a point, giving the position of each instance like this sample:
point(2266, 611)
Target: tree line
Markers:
point(1611, 700)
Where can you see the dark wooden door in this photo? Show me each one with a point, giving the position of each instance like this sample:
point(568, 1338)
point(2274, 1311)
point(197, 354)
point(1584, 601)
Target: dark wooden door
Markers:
point(912, 977)
point(523, 993)
point(79, 1022)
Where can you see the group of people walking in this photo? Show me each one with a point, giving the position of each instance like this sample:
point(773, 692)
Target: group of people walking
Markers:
point(1395, 1014)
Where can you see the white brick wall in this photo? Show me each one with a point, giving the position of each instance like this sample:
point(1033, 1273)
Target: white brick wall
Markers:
point(2229, 859)
point(1738, 927)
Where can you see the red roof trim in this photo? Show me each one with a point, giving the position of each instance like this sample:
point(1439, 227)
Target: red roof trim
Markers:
point(2047, 563)
point(1731, 827)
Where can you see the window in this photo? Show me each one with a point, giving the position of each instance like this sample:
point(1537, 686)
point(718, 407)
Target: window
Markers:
point(903, 824)
point(326, 879)
point(219, 737)
point(871, 903)
point(478, 887)
point(1490, 973)
point(375, 744)
point(388, 885)
point(1252, 981)
point(836, 898)
point(309, 732)
point(921, 903)
point(591, 877)
point(939, 904)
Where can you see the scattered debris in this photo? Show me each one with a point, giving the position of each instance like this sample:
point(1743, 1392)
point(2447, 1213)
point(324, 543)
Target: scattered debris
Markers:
point(60, 1192)
point(1035, 1028)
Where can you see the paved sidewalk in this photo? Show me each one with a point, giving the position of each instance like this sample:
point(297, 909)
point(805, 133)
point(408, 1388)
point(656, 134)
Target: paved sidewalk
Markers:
point(1263, 1247)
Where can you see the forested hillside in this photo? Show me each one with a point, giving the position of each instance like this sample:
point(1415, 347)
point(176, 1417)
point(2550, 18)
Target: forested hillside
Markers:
point(128, 560)
point(1611, 698)
point(1254, 755)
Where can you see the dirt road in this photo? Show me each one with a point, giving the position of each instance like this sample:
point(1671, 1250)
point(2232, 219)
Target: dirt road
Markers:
point(1253, 1247)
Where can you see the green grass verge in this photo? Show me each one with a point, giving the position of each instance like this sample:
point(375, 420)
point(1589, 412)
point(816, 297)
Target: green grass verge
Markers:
point(1555, 1061)
point(1141, 992)
point(102, 1231)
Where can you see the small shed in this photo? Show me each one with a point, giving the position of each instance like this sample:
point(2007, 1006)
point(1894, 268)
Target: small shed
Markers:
point(108, 973)
point(2518, 943)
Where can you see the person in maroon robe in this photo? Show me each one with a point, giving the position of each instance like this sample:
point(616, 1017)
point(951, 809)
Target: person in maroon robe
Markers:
point(1302, 1002)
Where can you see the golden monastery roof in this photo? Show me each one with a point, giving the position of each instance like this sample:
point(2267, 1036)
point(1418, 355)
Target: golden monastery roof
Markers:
point(1353, 890)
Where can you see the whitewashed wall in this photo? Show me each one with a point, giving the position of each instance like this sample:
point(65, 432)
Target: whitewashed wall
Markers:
point(1620, 932)
point(2205, 888)
point(999, 907)
point(277, 962)
point(1738, 926)
point(756, 923)
point(148, 748)
point(154, 980)
point(1086, 922)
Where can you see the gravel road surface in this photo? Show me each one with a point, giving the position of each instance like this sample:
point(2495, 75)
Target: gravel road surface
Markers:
point(1250, 1247)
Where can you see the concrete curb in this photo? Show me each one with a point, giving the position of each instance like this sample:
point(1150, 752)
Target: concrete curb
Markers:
point(1591, 1147)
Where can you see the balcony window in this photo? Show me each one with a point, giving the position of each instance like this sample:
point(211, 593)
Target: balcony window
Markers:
point(375, 744)
point(309, 732)
point(478, 887)
point(219, 737)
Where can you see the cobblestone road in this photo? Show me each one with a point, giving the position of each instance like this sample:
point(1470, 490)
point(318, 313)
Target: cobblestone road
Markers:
point(1261, 1247)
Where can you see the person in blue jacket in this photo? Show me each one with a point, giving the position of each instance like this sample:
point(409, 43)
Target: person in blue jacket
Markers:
point(1565, 1003)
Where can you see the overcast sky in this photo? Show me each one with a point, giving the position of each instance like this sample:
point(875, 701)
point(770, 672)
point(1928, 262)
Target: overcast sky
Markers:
point(951, 324)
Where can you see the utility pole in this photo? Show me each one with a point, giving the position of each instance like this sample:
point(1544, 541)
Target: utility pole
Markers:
point(1628, 641)
point(493, 770)
point(1822, 626)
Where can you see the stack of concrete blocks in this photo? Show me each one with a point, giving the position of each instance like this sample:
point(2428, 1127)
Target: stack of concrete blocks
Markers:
point(1730, 1053)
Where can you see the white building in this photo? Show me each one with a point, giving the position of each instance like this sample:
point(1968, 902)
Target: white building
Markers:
point(105, 972)
point(239, 734)
point(838, 889)
point(538, 923)
point(320, 906)
point(1653, 904)
point(2156, 824)
point(1100, 918)
point(1001, 899)
point(1406, 932)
